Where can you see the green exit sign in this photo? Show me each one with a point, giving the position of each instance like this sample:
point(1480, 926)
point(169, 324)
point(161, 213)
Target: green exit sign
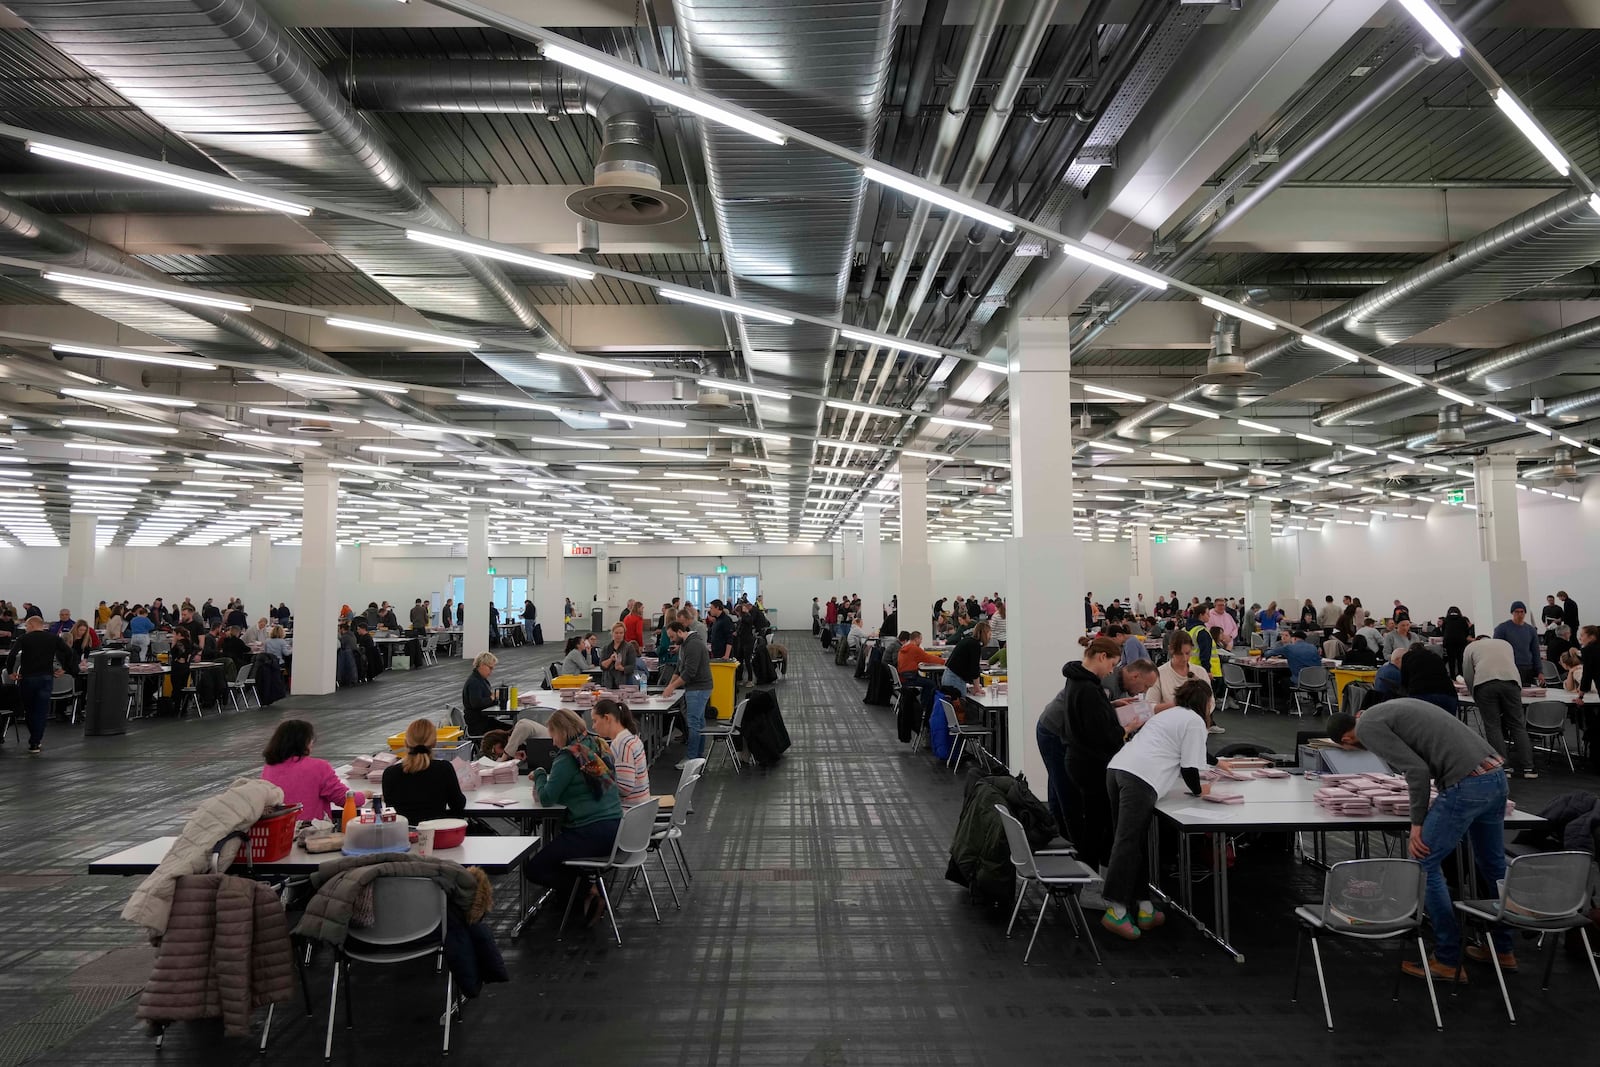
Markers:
point(491, 570)
point(1161, 539)
point(1458, 496)
point(722, 568)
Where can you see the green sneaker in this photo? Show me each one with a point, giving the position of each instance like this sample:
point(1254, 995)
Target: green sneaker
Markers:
point(1149, 920)
point(1123, 927)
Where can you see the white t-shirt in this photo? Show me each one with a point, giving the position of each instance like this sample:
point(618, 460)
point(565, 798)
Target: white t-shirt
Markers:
point(1171, 740)
point(1168, 682)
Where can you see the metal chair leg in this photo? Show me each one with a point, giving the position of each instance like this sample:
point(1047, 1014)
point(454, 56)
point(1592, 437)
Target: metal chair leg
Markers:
point(1588, 954)
point(1500, 977)
point(349, 1001)
point(567, 912)
point(650, 892)
point(1088, 932)
point(1036, 923)
point(333, 1010)
point(667, 874)
point(449, 1007)
point(266, 1029)
point(1322, 982)
point(1427, 973)
point(1022, 891)
point(610, 912)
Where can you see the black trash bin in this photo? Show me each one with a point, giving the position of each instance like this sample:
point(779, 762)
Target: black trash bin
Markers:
point(597, 621)
point(106, 702)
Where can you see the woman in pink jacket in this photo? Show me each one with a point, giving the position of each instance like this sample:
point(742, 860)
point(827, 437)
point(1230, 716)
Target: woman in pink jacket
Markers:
point(304, 780)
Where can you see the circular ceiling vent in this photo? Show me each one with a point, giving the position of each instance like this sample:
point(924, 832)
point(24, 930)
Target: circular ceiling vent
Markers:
point(627, 199)
point(712, 400)
point(1227, 370)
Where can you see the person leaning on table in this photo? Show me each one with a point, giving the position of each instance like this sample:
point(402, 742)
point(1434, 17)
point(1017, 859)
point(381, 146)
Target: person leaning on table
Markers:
point(583, 778)
point(1489, 668)
point(694, 678)
point(420, 787)
point(1427, 744)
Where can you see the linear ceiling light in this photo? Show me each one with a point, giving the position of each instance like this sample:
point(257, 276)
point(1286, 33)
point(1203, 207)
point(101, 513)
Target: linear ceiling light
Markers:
point(1228, 307)
point(133, 357)
point(963, 424)
point(1513, 110)
point(890, 342)
point(131, 427)
point(1342, 352)
point(302, 416)
point(936, 196)
point(1499, 413)
point(1455, 397)
point(176, 296)
point(342, 383)
point(704, 299)
point(1115, 394)
point(596, 364)
point(562, 442)
point(507, 255)
point(1187, 409)
point(389, 329)
point(1263, 427)
point(619, 74)
point(1431, 21)
point(1399, 375)
point(130, 169)
point(127, 397)
point(675, 453)
point(865, 409)
point(740, 387)
point(646, 420)
point(390, 450)
point(847, 446)
point(96, 446)
point(740, 431)
point(268, 439)
point(598, 468)
point(1114, 265)
point(504, 402)
point(1323, 441)
point(249, 457)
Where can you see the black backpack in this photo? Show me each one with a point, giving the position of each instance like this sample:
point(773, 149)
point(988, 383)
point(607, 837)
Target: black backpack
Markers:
point(765, 736)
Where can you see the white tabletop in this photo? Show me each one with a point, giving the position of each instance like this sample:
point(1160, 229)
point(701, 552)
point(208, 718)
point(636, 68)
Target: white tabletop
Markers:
point(1280, 804)
point(519, 791)
point(550, 700)
point(1557, 694)
point(993, 701)
point(496, 855)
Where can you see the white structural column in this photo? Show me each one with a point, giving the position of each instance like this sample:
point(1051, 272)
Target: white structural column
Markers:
point(873, 602)
point(1045, 559)
point(1141, 575)
point(550, 595)
point(316, 586)
point(478, 587)
point(260, 587)
point(1503, 573)
point(77, 587)
point(915, 585)
point(1263, 578)
point(850, 544)
point(838, 563)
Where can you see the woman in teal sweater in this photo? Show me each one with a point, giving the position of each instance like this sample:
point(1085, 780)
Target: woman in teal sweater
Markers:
point(581, 777)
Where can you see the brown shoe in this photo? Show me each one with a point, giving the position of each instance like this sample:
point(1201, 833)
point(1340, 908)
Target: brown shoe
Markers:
point(1442, 972)
point(1508, 960)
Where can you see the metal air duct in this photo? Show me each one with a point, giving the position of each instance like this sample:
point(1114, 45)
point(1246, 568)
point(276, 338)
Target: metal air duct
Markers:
point(1450, 430)
point(1225, 367)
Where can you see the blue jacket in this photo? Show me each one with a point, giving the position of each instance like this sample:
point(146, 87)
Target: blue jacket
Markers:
point(1300, 654)
point(1524, 642)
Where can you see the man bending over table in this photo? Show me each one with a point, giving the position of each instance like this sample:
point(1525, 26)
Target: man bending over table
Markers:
point(1426, 743)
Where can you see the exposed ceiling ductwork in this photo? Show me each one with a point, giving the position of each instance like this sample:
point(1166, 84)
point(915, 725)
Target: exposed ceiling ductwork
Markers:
point(225, 77)
point(825, 70)
point(627, 175)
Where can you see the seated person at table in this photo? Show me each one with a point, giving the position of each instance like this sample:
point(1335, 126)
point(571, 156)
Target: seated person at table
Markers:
point(1422, 675)
point(254, 635)
point(1360, 654)
point(369, 659)
point(1299, 654)
point(1170, 745)
point(582, 778)
point(614, 722)
point(477, 697)
point(275, 645)
point(912, 656)
point(305, 780)
point(348, 658)
point(1572, 661)
point(495, 746)
point(1428, 744)
point(1386, 683)
point(577, 659)
point(420, 787)
point(235, 649)
point(617, 659)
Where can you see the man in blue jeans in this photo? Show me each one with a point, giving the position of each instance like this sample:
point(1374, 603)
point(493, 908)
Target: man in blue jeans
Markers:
point(1426, 743)
point(694, 678)
point(37, 659)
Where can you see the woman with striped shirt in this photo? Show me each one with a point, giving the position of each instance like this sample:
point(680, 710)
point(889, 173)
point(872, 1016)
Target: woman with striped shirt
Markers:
point(614, 722)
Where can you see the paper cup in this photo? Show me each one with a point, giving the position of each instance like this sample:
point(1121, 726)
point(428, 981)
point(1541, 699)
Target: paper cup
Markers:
point(424, 840)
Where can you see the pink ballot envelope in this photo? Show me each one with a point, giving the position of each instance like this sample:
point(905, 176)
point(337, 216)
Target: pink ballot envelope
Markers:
point(1131, 715)
point(1223, 798)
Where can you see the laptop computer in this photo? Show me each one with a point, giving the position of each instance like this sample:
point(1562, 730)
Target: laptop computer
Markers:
point(538, 752)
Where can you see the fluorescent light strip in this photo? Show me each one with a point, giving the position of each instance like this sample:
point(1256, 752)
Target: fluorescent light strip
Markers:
point(1456, 398)
point(1437, 28)
point(302, 416)
point(562, 442)
point(938, 197)
point(675, 453)
point(739, 431)
point(1263, 427)
point(1401, 459)
point(722, 384)
point(341, 383)
point(1228, 307)
point(964, 424)
point(690, 476)
point(131, 427)
point(128, 168)
point(1315, 440)
point(268, 439)
point(1512, 108)
point(250, 457)
point(423, 427)
point(1200, 413)
point(504, 402)
point(1399, 375)
point(865, 409)
point(1114, 265)
point(390, 450)
point(847, 446)
point(507, 255)
point(618, 74)
point(1500, 413)
point(133, 357)
point(1109, 447)
point(1363, 450)
point(696, 296)
point(646, 420)
point(598, 468)
point(890, 342)
point(1536, 427)
point(1170, 458)
point(595, 364)
point(1116, 394)
point(389, 329)
point(1219, 465)
point(116, 397)
point(176, 296)
point(1329, 347)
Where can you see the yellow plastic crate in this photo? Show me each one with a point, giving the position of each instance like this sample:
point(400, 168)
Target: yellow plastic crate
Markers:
point(447, 735)
point(569, 681)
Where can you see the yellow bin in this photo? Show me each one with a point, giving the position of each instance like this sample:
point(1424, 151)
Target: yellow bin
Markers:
point(1344, 675)
point(724, 673)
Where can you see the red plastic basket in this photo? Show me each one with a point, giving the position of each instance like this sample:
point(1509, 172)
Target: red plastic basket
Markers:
point(273, 837)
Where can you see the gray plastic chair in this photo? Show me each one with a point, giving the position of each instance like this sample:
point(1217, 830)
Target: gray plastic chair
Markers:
point(669, 830)
point(1233, 681)
point(409, 919)
point(1547, 893)
point(628, 853)
point(65, 689)
point(960, 734)
point(727, 733)
point(1060, 874)
point(1550, 673)
point(1313, 682)
point(1547, 720)
point(1370, 900)
point(244, 682)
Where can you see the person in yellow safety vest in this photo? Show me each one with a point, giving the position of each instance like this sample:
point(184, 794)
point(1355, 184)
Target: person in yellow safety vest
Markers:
point(1205, 651)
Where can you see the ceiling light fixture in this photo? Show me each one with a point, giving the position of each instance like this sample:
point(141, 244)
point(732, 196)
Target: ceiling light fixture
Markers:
point(507, 255)
point(1114, 265)
point(562, 442)
point(1499, 413)
point(646, 420)
point(595, 364)
point(933, 194)
point(609, 70)
point(390, 329)
point(390, 450)
point(123, 166)
point(1200, 413)
point(133, 357)
point(865, 409)
point(115, 396)
point(302, 416)
point(1399, 375)
point(342, 383)
point(1456, 398)
point(883, 340)
point(598, 468)
point(131, 427)
point(1116, 394)
point(675, 453)
point(1434, 23)
point(964, 424)
point(1170, 458)
point(1361, 449)
point(723, 384)
point(1332, 349)
point(1323, 441)
point(764, 435)
point(250, 457)
point(1263, 427)
point(158, 292)
point(1228, 307)
point(704, 299)
point(1512, 108)
point(504, 402)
